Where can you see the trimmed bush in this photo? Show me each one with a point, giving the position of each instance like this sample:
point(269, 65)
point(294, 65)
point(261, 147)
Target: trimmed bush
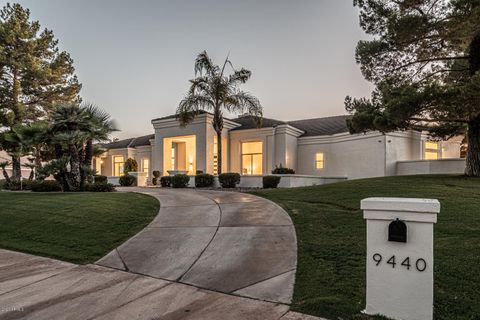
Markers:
point(131, 165)
point(3, 183)
point(100, 187)
point(17, 186)
point(282, 170)
point(229, 179)
point(156, 175)
point(127, 180)
point(204, 180)
point(270, 182)
point(180, 181)
point(46, 186)
point(198, 172)
point(100, 179)
point(166, 181)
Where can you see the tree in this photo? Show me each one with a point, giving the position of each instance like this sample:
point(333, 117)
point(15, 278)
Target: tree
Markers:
point(34, 74)
point(131, 165)
point(213, 90)
point(74, 125)
point(424, 60)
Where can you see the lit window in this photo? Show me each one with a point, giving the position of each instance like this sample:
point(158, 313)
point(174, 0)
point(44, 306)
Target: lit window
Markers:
point(173, 159)
point(145, 165)
point(118, 165)
point(432, 150)
point(215, 155)
point(319, 160)
point(252, 158)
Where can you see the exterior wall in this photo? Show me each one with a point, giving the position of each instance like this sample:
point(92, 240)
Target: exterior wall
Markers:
point(144, 152)
point(402, 146)
point(346, 155)
point(285, 146)
point(265, 135)
point(442, 166)
point(202, 128)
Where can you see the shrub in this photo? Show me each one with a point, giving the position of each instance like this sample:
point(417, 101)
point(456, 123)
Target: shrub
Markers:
point(131, 165)
point(100, 187)
point(14, 185)
point(229, 179)
point(270, 182)
point(127, 180)
point(203, 180)
point(3, 183)
point(46, 186)
point(180, 181)
point(166, 181)
point(156, 175)
point(198, 172)
point(100, 179)
point(282, 170)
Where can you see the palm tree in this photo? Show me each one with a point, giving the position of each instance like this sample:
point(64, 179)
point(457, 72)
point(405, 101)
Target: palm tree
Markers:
point(101, 126)
point(213, 90)
point(3, 166)
point(75, 127)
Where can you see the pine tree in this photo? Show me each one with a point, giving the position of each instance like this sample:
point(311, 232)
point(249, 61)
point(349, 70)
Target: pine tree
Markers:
point(34, 74)
point(424, 59)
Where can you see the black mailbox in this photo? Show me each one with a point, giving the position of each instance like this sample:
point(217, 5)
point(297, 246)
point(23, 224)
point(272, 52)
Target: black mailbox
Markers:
point(397, 231)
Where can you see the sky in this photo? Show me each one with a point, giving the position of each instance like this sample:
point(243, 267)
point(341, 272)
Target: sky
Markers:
point(134, 58)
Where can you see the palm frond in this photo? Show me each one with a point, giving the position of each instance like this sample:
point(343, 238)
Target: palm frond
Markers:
point(245, 103)
point(191, 105)
point(204, 63)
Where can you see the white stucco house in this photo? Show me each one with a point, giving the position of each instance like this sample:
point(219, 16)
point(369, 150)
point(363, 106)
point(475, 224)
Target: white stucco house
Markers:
point(316, 149)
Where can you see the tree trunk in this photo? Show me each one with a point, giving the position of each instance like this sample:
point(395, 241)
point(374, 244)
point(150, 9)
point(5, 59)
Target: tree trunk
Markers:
point(88, 153)
point(16, 168)
point(74, 168)
point(473, 152)
point(219, 152)
point(5, 175)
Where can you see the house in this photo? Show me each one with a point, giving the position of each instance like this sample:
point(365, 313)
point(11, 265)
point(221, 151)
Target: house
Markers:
point(315, 148)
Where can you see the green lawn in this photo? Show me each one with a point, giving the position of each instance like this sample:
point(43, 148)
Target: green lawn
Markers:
point(331, 243)
point(75, 227)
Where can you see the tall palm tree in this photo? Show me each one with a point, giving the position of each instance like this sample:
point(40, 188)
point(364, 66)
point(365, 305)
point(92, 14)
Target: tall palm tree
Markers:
point(213, 90)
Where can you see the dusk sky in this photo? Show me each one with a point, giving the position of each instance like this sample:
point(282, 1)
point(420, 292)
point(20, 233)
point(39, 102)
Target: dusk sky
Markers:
point(134, 58)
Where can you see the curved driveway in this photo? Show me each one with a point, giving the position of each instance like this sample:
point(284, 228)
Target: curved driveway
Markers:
point(222, 241)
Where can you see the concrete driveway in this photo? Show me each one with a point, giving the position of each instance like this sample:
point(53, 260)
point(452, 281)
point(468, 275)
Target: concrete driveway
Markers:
point(227, 242)
point(208, 255)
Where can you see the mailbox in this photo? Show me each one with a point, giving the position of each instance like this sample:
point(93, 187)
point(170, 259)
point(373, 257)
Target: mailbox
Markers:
point(397, 231)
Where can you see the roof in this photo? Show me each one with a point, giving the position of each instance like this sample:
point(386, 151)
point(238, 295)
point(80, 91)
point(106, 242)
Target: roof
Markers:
point(248, 122)
point(310, 127)
point(174, 116)
point(321, 126)
point(130, 143)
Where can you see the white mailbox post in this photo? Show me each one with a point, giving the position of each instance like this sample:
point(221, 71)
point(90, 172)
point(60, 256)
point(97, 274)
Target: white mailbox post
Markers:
point(400, 257)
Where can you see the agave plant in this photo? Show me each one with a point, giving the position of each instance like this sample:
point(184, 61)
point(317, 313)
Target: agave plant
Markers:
point(213, 90)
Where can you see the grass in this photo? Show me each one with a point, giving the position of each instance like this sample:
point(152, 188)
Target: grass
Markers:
point(331, 243)
point(74, 227)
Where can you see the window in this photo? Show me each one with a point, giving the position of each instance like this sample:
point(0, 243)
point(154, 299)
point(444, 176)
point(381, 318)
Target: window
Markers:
point(118, 164)
point(432, 150)
point(215, 155)
point(145, 165)
point(172, 163)
point(252, 158)
point(319, 160)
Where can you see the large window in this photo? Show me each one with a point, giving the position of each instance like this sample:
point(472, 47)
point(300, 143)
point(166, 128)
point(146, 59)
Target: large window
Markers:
point(252, 158)
point(146, 165)
point(118, 164)
point(320, 160)
point(432, 150)
point(215, 155)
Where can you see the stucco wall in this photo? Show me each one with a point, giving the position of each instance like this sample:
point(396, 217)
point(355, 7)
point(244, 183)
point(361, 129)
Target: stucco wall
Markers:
point(352, 156)
point(443, 166)
point(402, 146)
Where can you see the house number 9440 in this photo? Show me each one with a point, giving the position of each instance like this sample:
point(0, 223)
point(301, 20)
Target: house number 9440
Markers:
point(420, 264)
